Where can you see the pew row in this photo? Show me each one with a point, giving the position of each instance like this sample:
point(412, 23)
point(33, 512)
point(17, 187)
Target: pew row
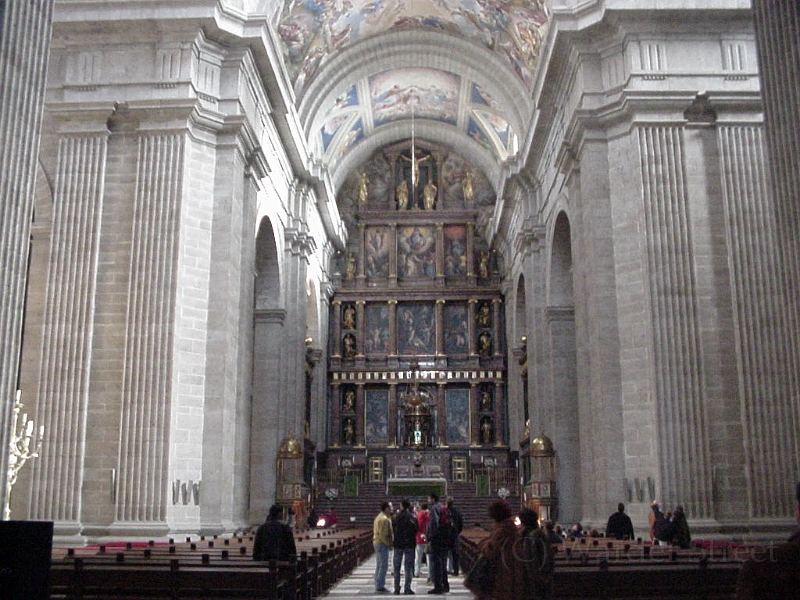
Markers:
point(612, 569)
point(217, 569)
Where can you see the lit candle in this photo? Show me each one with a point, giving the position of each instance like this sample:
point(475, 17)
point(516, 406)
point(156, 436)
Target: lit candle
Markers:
point(29, 428)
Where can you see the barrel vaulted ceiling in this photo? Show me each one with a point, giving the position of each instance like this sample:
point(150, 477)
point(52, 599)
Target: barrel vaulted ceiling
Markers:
point(457, 72)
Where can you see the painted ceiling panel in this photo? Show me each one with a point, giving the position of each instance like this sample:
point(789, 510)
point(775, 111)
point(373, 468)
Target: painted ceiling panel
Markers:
point(428, 93)
point(312, 30)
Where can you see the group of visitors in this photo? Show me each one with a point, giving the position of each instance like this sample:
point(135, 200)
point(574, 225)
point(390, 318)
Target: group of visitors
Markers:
point(516, 560)
point(669, 528)
point(432, 531)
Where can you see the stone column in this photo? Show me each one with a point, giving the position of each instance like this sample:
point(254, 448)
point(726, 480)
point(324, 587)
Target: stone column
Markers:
point(393, 255)
point(440, 279)
point(498, 346)
point(474, 420)
point(360, 415)
point(68, 314)
point(439, 320)
point(335, 428)
point(441, 422)
point(683, 436)
point(499, 411)
point(393, 329)
point(25, 29)
point(471, 329)
point(393, 415)
point(335, 344)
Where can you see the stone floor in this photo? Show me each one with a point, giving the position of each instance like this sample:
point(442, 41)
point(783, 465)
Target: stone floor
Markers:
point(360, 584)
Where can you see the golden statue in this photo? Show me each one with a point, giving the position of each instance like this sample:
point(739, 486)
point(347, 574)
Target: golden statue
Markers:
point(402, 195)
point(429, 196)
point(363, 182)
point(468, 186)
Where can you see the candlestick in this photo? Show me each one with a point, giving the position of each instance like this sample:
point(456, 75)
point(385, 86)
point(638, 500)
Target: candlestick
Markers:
point(19, 449)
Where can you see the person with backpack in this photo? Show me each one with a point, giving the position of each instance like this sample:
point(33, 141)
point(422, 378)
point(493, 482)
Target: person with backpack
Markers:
point(440, 536)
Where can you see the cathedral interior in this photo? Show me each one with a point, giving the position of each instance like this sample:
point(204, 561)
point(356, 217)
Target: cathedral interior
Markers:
point(262, 251)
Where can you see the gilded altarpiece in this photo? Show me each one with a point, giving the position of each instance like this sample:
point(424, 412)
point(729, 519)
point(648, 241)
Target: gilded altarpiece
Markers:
point(417, 309)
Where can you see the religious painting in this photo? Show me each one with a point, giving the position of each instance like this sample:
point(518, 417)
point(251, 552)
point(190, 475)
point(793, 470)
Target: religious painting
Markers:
point(477, 133)
point(455, 329)
point(457, 411)
point(377, 325)
point(377, 416)
point(463, 184)
point(455, 251)
point(495, 124)
point(378, 241)
point(311, 31)
point(349, 139)
point(433, 94)
point(416, 251)
point(416, 330)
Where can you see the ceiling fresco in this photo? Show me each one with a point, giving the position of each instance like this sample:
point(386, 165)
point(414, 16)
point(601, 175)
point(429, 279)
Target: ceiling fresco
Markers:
point(365, 70)
point(429, 94)
point(312, 30)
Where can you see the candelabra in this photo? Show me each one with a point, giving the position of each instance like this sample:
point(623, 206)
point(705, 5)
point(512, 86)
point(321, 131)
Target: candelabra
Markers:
point(19, 450)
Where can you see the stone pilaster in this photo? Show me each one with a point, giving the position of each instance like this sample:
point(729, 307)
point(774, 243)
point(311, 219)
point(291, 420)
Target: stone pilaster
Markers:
point(68, 315)
point(682, 422)
point(24, 53)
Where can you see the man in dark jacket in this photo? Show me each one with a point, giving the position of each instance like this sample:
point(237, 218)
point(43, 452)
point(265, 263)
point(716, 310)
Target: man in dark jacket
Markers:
point(458, 527)
point(440, 537)
point(619, 525)
point(405, 545)
point(274, 539)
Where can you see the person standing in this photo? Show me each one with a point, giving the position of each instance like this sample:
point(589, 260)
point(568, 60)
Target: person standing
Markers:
point(654, 515)
point(382, 540)
point(619, 525)
point(458, 527)
point(771, 572)
point(501, 549)
point(538, 559)
point(440, 537)
point(423, 517)
point(274, 539)
point(405, 543)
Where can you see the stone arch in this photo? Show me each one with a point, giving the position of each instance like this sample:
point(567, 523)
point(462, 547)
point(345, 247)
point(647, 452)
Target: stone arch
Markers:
point(267, 413)
point(563, 369)
point(268, 279)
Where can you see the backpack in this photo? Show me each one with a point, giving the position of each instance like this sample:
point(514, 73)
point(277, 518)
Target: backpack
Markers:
point(444, 517)
point(445, 533)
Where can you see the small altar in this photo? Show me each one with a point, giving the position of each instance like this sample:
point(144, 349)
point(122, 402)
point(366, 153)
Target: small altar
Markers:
point(416, 487)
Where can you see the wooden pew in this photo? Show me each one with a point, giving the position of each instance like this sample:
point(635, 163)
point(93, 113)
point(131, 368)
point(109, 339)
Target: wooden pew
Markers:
point(615, 569)
point(208, 569)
